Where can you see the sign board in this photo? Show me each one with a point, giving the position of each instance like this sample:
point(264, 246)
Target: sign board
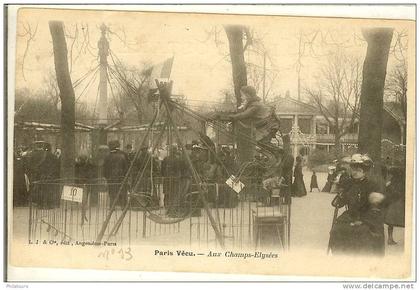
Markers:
point(235, 183)
point(72, 193)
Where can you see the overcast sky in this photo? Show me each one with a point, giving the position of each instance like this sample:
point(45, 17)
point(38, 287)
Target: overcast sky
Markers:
point(201, 66)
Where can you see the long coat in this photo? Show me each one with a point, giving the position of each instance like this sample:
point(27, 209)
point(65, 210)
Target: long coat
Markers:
point(287, 171)
point(115, 168)
point(395, 204)
point(43, 169)
point(298, 188)
point(20, 193)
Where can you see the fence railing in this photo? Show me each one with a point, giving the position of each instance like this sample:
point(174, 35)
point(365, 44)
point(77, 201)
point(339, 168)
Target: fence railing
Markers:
point(159, 210)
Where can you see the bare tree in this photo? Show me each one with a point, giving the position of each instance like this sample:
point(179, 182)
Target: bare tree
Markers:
point(374, 71)
point(67, 98)
point(29, 33)
point(236, 35)
point(132, 86)
point(396, 87)
point(51, 90)
point(396, 80)
point(337, 95)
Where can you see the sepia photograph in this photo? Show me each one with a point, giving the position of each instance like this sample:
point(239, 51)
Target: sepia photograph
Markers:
point(273, 145)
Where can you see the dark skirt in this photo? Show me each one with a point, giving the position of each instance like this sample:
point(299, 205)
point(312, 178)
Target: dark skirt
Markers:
point(395, 214)
point(298, 187)
point(314, 182)
point(327, 187)
point(365, 239)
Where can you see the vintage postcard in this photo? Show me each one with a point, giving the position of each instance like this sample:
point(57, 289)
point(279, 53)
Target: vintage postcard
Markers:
point(272, 145)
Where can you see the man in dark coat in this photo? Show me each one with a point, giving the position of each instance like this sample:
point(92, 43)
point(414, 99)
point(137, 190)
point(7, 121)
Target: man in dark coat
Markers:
point(254, 113)
point(43, 169)
point(171, 172)
point(115, 168)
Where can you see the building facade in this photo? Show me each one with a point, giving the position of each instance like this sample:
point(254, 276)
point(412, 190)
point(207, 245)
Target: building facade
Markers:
point(309, 130)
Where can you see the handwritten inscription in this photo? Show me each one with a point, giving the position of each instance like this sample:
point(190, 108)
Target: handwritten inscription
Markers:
point(123, 254)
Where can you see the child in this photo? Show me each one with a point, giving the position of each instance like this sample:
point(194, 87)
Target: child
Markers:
point(314, 181)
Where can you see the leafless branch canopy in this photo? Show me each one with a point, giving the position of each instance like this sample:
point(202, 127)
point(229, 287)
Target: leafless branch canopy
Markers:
point(29, 33)
point(337, 93)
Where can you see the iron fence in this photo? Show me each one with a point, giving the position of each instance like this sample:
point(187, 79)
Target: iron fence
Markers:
point(161, 210)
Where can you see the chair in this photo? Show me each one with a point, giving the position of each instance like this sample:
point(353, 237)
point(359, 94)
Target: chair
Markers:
point(271, 223)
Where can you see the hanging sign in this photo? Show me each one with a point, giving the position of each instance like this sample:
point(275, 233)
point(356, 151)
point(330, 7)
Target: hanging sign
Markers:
point(72, 193)
point(235, 183)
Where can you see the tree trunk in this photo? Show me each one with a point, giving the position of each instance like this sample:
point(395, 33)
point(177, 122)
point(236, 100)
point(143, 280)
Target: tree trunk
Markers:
point(67, 99)
point(371, 100)
point(239, 75)
point(337, 145)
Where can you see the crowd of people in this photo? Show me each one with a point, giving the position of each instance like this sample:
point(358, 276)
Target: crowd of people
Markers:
point(359, 229)
point(110, 163)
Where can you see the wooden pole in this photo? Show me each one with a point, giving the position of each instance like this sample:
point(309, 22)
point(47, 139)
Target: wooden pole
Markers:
point(165, 92)
point(103, 52)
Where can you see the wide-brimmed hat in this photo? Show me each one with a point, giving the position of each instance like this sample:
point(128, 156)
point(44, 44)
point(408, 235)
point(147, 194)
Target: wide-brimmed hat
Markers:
point(346, 159)
point(361, 159)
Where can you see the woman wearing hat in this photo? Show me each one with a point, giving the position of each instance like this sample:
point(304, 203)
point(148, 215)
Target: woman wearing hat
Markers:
point(298, 187)
point(359, 230)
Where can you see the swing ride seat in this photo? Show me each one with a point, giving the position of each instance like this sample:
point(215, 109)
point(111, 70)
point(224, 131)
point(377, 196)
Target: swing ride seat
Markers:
point(271, 223)
point(141, 200)
point(270, 228)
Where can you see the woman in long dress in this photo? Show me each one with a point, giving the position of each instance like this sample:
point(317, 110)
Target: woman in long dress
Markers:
point(298, 187)
point(360, 229)
point(330, 179)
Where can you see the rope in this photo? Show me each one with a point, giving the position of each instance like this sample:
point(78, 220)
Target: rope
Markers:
point(88, 85)
point(214, 124)
point(96, 103)
point(112, 91)
point(212, 151)
point(82, 78)
point(108, 218)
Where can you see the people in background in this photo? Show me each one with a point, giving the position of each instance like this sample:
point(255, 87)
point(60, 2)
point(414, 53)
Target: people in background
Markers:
point(314, 181)
point(130, 152)
point(330, 179)
point(395, 201)
point(43, 171)
point(115, 168)
point(20, 190)
point(84, 170)
point(342, 175)
point(171, 171)
point(287, 165)
point(298, 187)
